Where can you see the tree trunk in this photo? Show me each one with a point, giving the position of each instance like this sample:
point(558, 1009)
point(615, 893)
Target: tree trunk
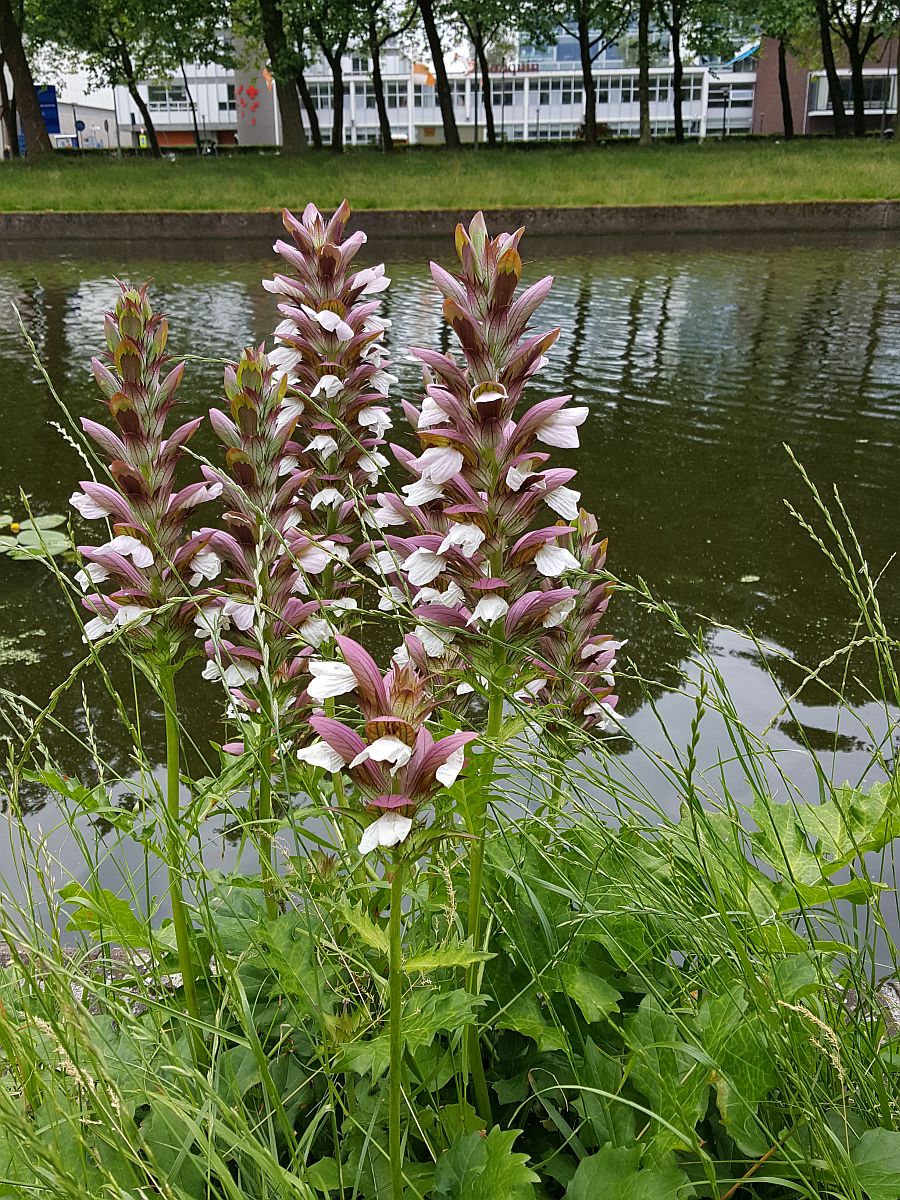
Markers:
point(445, 100)
point(312, 113)
point(8, 114)
point(384, 121)
point(293, 135)
point(856, 88)
point(587, 78)
point(337, 102)
point(787, 112)
point(37, 140)
point(644, 71)
point(677, 72)
point(897, 82)
point(490, 129)
point(193, 109)
point(839, 112)
point(134, 92)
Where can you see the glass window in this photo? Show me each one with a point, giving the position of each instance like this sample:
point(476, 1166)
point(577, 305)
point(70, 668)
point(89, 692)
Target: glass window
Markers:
point(321, 95)
point(395, 93)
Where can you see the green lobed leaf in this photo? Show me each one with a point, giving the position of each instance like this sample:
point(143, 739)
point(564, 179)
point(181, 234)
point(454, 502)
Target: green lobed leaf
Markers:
point(456, 954)
point(479, 1167)
point(735, 1038)
point(876, 1157)
point(596, 998)
point(105, 915)
point(615, 1174)
point(425, 1014)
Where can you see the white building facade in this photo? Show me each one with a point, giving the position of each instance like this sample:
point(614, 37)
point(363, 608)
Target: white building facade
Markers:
point(537, 96)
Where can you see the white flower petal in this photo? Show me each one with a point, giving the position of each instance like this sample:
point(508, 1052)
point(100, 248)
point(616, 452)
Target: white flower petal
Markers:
point(564, 502)
point(434, 639)
point(329, 496)
point(204, 565)
point(422, 492)
point(330, 321)
point(389, 830)
point(130, 547)
point(330, 679)
point(422, 566)
point(555, 560)
point(289, 411)
point(558, 613)
point(516, 477)
point(467, 537)
point(315, 631)
point(320, 754)
point(328, 385)
point(489, 608)
point(561, 429)
point(438, 464)
point(447, 773)
point(97, 627)
point(241, 613)
point(88, 506)
point(430, 414)
point(385, 749)
point(376, 419)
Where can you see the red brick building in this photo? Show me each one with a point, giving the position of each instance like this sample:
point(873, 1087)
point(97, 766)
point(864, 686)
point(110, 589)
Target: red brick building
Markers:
point(810, 100)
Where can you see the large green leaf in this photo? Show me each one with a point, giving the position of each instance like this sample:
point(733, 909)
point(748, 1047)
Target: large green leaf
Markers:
point(668, 1071)
point(615, 1174)
point(484, 1168)
point(425, 1014)
point(876, 1157)
point(735, 1039)
point(596, 998)
point(807, 843)
point(102, 913)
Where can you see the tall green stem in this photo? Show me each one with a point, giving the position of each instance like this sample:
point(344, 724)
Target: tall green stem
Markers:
point(478, 826)
point(264, 813)
point(174, 864)
point(396, 1001)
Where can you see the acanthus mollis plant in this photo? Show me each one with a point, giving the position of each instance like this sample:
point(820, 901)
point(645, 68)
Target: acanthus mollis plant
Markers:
point(395, 762)
point(486, 571)
point(150, 564)
point(398, 768)
point(330, 349)
point(260, 623)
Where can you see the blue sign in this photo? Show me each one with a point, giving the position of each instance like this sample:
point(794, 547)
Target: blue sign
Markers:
point(80, 126)
point(49, 108)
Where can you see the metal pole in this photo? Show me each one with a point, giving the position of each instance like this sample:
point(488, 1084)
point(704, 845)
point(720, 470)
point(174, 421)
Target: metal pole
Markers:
point(75, 127)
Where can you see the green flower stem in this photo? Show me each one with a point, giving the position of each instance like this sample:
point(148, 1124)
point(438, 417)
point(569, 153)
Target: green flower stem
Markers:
point(174, 864)
point(264, 818)
point(396, 1002)
point(264, 812)
point(478, 819)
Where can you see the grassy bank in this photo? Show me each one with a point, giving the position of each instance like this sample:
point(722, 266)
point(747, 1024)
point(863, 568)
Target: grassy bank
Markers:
point(713, 172)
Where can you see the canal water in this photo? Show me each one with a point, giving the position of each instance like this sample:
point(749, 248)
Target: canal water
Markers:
point(698, 358)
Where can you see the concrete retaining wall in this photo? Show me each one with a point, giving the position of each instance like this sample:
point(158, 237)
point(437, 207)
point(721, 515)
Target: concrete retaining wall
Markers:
point(825, 216)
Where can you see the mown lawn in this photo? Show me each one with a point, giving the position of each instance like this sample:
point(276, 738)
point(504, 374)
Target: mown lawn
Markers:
point(711, 172)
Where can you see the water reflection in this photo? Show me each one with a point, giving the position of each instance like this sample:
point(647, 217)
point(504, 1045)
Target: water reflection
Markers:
point(698, 360)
